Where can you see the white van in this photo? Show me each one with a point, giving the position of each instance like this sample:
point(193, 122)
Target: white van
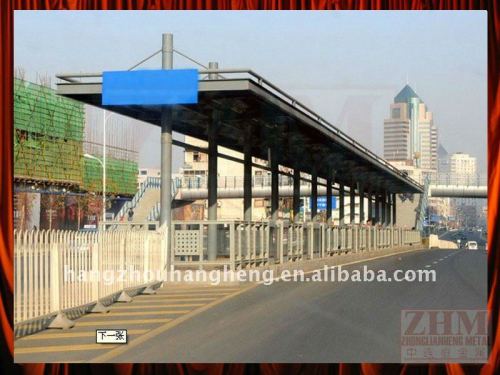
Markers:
point(471, 245)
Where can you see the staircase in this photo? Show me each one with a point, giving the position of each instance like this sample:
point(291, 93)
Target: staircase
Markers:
point(145, 205)
point(142, 202)
point(422, 208)
point(146, 202)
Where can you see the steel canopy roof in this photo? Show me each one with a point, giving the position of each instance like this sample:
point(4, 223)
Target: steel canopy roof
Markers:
point(251, 104)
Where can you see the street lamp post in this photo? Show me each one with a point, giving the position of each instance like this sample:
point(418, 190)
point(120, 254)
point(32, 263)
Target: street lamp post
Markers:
point(103, 165)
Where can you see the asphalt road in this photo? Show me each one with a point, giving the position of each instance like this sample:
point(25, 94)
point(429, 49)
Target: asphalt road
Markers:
point(320, 322)
point(468, 235)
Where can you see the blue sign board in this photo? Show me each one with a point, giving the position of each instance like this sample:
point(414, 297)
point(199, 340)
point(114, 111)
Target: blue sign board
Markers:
point(321, 203)
point(435, 218)
point(150, 87)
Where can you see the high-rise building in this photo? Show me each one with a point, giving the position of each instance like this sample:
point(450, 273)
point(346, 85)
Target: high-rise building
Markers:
point(443, 160)
point(463, 168)
point(409, 134)
point(463, 171)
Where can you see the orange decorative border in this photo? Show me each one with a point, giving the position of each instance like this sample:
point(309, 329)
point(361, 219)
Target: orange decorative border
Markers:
point(7, 8)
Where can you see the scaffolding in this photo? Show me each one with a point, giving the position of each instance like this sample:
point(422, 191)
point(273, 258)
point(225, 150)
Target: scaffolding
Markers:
point(121, 176)
point(52, 133)
point(48, 135)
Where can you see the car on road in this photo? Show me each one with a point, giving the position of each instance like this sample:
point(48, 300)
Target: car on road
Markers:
point(471, 245)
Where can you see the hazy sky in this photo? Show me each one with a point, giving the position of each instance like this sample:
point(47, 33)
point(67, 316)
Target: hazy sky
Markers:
point(347, 66)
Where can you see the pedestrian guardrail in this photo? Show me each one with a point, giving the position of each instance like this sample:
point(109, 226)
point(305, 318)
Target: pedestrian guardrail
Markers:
point(241, 244)
point(59, 270)
point(56, 271)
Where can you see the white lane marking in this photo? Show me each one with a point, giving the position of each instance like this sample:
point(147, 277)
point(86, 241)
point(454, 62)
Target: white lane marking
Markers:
point(434, 262)
point(427, 266)
point(350, 263)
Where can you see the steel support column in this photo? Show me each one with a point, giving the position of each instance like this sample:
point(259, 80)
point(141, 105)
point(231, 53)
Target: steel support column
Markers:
point(341, 204)
point(389, 209)
point(314, 195)
point(212, 184)
point(361, 203)
point(352, 204)
point(370, 208)
point(247, 176)
point(296, 195)
point(384, 208)
point(377, 207)
point(166, 152)
point(273, 164)
point(394, 197)
point(329, 195)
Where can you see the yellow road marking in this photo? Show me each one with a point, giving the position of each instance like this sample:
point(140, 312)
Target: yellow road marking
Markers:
point(163, 300)
point(167, 290)
point(106, 323)
point(163, 304)
point(197, 294)
point(63, 348)
point(147, 312)
point(106, 357)
point(194, 289)
point(64, 335)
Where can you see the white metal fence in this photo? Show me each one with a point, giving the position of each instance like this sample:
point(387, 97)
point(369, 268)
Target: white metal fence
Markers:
point(59, 270)
point(241, 244)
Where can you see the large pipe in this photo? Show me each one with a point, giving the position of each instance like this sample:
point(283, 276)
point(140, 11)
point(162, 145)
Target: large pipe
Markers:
point(257, 192)
point(445, 191)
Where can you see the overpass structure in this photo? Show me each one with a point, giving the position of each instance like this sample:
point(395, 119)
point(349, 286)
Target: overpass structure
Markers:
point(449, 186)
point(241, 110)
point(192, 188)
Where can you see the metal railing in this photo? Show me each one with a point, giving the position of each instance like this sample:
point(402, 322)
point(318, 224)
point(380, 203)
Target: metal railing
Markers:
point(201, 182)
point(149, 183)
point(266, 84)
point(61, 270)
point(241, 244)
point(456, 179)
point(56, 271)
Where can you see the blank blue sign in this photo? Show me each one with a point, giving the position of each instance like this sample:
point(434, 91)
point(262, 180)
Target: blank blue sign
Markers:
point(150, 87)
point(321, 203)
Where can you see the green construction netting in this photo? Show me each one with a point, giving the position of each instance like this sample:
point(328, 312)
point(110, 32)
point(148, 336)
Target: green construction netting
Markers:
point(38, 109)
point(39, 157)
point(48, 143)
point(121, 176)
